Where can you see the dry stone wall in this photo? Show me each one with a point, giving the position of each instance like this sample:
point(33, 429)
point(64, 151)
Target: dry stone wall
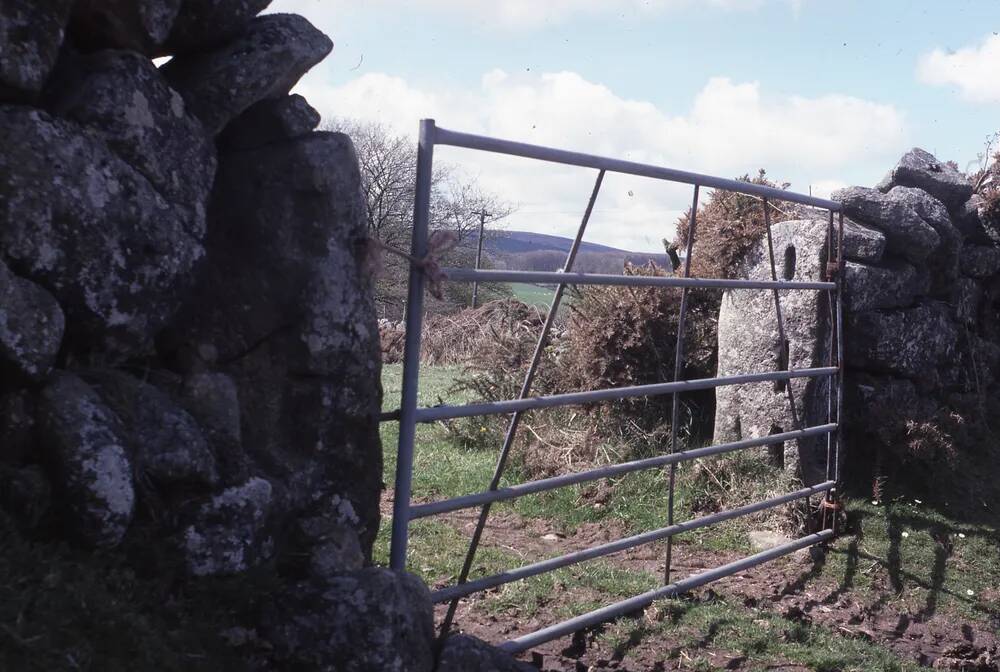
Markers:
point(188, 345)
point(921, 284)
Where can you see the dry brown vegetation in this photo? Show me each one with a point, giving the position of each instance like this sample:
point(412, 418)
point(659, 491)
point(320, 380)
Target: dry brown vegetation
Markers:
point(611, 337)
point(728, 226)
point(456, 338)
point(459, 337)
point(991, 199)
point(986, 182)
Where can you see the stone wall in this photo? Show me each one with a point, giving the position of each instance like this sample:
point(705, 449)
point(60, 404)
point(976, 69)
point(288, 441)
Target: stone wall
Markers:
point(188, 343)
point(921, 283)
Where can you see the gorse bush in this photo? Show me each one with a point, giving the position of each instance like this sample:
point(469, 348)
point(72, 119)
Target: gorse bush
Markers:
point(617, 337)
point(613, 337)
point(621, 336)
point(728, 226)
point(625, 336)
point(990, 211)
point(496, 327)
point(456, 338)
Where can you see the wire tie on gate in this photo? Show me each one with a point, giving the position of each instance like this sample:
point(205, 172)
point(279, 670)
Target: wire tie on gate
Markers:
point(438, 243)
point(832, 504)
point(833, 268)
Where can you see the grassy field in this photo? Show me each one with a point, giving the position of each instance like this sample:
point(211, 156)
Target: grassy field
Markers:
point(441, 469)
point(533, 295)
point(895, 558)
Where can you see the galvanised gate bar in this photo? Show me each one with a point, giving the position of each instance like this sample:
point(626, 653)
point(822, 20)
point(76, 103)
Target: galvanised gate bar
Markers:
point(409, 414)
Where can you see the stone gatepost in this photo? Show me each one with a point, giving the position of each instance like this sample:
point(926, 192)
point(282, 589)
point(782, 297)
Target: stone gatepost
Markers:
point(749, 342)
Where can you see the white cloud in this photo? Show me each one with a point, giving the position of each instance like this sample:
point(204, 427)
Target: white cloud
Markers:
point(730, 128)
point(375, 96)
point(531, 14)
point(823, 188)
point(972, 70)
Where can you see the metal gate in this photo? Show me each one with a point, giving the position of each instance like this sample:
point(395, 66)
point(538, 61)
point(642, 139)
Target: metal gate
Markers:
point(404, 511)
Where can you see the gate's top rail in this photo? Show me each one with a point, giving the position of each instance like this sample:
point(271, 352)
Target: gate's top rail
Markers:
point(443, 136)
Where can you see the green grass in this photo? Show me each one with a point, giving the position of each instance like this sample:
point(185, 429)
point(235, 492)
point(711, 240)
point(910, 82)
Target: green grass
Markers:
point(436, 551)
point(533, 295)
point(441, 469)
point(436, 554)
point(896, 558)
point(924, 562)
point(576, 590)
point(688, 628)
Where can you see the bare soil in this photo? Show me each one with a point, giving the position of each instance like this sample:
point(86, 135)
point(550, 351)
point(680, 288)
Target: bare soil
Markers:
point(791, 587)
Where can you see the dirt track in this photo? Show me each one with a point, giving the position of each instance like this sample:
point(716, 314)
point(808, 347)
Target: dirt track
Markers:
point(791, 588)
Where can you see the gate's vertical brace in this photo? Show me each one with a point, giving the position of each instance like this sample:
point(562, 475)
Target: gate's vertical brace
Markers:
point(831, 301)
point(678, 366)
point(515, 418)
point(840, 348)
point(784, 347)
point(411, 351)
point(835, 272)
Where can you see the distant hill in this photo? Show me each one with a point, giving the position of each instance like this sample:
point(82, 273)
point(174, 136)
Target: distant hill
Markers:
point(524, 250)
point(526, 241)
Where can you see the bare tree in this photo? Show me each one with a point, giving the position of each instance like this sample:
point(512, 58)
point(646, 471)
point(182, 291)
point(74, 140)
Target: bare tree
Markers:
point(458, 204)
point(388, 164)
point(388, 177)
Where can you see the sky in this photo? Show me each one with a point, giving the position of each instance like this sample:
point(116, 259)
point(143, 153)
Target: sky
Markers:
point(820, 94)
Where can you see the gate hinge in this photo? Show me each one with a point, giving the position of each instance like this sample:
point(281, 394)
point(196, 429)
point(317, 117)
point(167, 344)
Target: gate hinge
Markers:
point(832, 512)
point(833, 268)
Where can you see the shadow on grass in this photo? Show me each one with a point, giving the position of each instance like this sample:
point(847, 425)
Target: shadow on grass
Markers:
point(639, 630)
point(914, 543)
point(850, 572)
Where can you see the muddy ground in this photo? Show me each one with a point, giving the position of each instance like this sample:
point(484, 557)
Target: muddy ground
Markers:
point(791, 587)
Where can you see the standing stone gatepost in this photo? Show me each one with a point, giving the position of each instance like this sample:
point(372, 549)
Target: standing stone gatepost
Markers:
point(749, 342)
point(921, 300)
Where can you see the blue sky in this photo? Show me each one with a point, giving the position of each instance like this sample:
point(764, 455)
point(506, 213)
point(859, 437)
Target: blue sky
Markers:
point(820, 94)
